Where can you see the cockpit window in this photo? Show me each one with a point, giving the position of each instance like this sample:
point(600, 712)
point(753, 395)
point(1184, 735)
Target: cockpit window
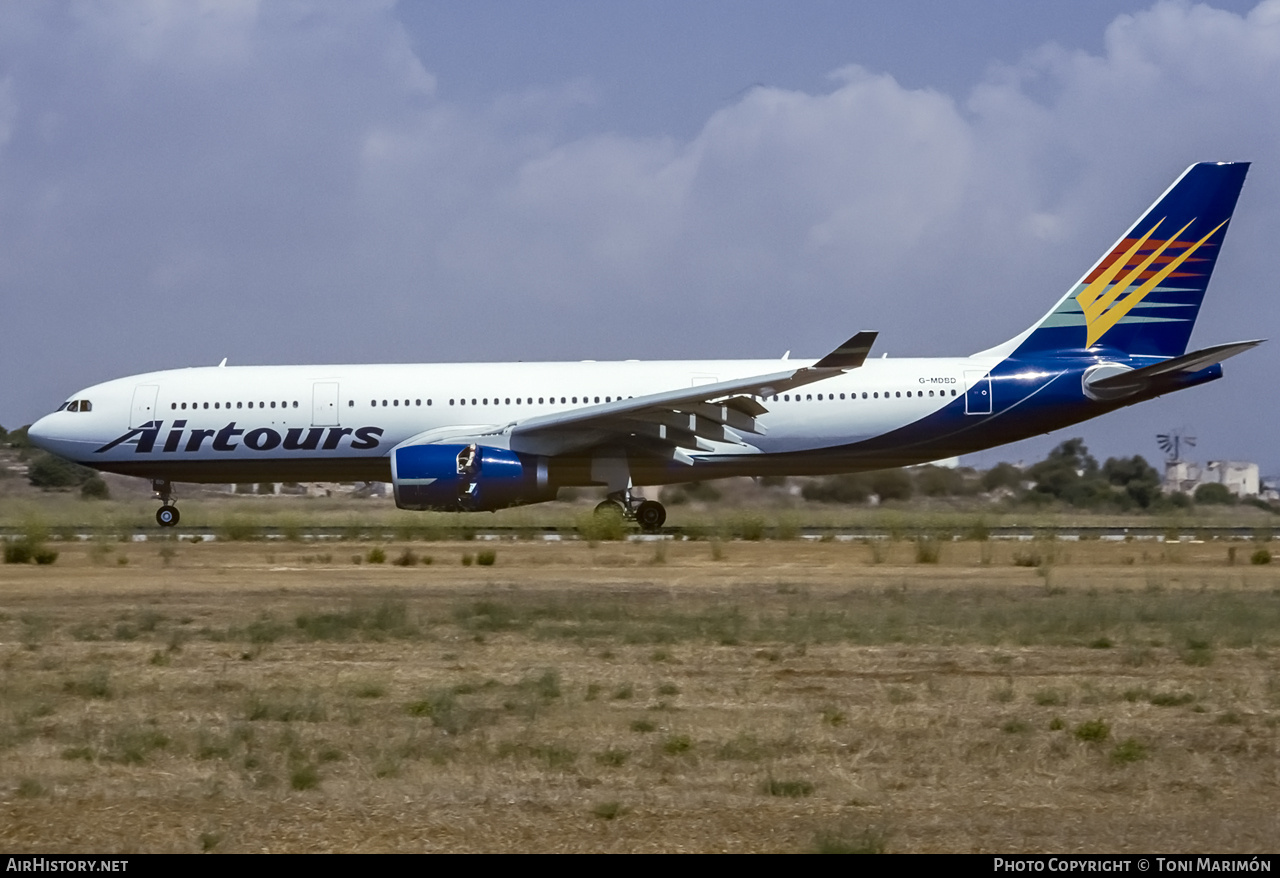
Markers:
point(86, 406)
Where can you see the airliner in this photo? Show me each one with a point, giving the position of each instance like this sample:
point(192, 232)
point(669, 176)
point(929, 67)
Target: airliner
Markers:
point(485, 436)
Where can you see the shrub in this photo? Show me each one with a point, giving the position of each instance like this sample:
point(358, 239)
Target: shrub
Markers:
point(1215, 494)
point(1260, 556)
point(486, 557)
point(849, 488)
point(609, 810)
point(50, 471)
point(1093, 731)
point(677, 744)
point(94, 488)
point(1129, 750)
point(304, 777)
point(792, 789)
point(17, 553)
point(927, 551)
point(376, 555)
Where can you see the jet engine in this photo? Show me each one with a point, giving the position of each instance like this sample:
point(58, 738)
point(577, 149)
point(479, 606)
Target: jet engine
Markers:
point(467, 478)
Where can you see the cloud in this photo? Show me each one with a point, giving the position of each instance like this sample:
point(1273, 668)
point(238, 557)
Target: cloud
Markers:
point(285, 182)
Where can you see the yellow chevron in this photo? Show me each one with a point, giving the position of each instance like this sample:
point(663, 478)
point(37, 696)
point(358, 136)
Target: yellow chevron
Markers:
point(1086, 296)
point(1095, 310)
point(1099, 323)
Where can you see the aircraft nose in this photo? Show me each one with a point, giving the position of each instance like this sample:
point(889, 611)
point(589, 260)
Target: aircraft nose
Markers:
point(39, 432)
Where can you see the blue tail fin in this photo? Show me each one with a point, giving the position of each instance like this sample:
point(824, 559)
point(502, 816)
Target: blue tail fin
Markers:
point(1142, 297)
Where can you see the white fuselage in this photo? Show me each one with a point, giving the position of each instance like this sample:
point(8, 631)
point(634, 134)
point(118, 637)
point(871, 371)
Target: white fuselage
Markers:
point(341, 422)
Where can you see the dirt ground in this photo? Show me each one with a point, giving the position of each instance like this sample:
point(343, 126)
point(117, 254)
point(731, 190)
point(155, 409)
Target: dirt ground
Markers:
point(645, 696)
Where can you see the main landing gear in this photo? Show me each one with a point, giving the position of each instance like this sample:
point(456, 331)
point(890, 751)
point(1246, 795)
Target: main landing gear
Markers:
point(649, 514)
point(167, 515)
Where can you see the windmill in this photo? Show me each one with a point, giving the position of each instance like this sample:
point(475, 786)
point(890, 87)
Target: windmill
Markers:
point(1173, 442)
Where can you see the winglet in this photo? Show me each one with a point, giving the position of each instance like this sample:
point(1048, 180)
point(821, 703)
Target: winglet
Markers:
point(849, 355)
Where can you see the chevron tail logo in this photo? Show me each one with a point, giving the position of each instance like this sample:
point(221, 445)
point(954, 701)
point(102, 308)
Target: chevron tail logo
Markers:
point(1129, 273)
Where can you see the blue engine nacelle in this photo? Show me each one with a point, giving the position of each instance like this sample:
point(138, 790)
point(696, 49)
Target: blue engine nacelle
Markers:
point(467, 478)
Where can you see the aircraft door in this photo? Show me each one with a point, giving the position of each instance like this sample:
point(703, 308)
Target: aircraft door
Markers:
point(324, 404)
point(977, 399)
point(144, 405)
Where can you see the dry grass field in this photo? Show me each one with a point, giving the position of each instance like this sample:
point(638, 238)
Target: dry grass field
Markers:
point(645, 696)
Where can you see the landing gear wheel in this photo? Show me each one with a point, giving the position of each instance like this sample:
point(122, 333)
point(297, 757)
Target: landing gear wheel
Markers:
point(651, 515)
point(167, 516)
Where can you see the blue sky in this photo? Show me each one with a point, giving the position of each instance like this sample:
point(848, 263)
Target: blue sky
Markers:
point(336, 182)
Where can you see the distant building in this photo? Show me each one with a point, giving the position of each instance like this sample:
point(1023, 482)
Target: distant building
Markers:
point(1240, 477)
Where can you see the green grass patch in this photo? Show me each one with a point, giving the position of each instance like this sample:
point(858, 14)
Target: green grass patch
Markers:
point(1093, 731)
point(790, 789)
point(1129, 750)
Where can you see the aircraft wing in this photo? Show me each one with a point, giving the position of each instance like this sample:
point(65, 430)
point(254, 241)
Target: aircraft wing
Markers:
point(674, 422)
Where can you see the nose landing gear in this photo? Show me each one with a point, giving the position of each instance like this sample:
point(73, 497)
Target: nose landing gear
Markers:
point(167, 515)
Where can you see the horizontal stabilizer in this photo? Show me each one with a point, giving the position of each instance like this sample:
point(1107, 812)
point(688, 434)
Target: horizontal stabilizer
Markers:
point(1139, 379)
point(849, 355)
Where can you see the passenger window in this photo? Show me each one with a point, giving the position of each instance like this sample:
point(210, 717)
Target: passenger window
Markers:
point(809, 397)
point(215, 405)
point(172, 405)
point(450, 402)
point(351, 403)
point(898, 394)
point(396, 403)
point(239, 405)
point(273, 403)
point(428, 402)
point(473, 402)
point(415, 402)
point(864, 394)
